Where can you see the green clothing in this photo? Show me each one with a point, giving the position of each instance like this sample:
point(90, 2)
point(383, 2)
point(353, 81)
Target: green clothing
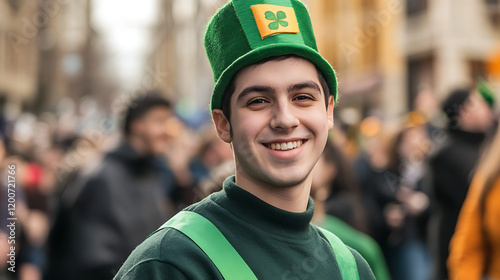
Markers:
point(362, 243)
point(275, 244)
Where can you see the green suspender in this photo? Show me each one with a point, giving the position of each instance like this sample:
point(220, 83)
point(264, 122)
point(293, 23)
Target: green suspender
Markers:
point(229, 263)
point(213, 243)
point(345, 259)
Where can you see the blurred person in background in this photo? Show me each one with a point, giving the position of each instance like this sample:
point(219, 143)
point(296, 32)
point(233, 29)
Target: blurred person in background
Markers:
point(373, 139)
point(427, 104)
point(344, 199)
point(213, 152)
point(191, 158)
point(37, 178)
point(369, 169)
point(338, 207)
point(475, 246)
point(407, 213)
point(32, 186)
point(397, 204)
point(4, 215)
point(106, 211)
point(470, 118)
point(35, 222)
point(180, 179)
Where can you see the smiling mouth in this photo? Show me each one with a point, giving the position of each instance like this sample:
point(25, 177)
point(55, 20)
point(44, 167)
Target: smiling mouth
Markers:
point(285, 146)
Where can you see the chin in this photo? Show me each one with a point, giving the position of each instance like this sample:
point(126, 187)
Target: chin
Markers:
point(286, 181)
point(159, 148)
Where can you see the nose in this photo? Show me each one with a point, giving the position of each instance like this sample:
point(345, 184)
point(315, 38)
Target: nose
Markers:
point(284, 117)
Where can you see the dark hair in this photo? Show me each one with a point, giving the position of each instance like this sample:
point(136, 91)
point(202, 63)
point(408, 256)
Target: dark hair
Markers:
point(226, 99)
point(345, 200)
point(394, 156)
point(453, 104)
point(140, 104)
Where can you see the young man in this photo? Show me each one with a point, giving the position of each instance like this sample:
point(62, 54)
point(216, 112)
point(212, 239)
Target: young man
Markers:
point(273, 101)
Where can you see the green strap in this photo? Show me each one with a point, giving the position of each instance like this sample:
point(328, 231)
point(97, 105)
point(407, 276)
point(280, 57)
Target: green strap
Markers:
point(202, 232)
point(345, 259)
point(229, 263)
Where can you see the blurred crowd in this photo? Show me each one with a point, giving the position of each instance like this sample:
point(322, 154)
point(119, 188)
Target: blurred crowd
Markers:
point(90, 188)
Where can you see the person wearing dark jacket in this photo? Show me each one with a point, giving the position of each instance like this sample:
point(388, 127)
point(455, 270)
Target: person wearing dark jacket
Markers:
point(398, 206)
point(469, 119)
point(104, 214)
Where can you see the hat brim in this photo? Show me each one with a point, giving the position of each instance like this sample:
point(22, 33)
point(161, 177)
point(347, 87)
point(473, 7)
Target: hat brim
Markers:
point(264, 52)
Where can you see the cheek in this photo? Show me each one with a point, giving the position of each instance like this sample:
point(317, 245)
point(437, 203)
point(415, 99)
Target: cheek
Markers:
point(154, 129)
point(487, 113)
point(157, 130)
point(316, 121)
point(249, 125)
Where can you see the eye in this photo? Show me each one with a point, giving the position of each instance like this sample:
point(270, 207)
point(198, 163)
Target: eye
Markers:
point(256, 101)
point(304, 97)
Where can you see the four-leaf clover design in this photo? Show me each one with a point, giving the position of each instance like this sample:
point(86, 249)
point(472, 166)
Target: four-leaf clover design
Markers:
point(277, 19)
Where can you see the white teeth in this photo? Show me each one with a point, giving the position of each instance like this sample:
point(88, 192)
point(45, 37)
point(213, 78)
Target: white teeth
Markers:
point(285, 146)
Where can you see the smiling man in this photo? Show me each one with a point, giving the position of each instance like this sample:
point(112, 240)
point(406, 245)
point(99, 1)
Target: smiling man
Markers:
point(273, 102)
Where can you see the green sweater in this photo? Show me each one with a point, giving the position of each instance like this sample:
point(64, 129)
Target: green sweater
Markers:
point(275, 244)
point(364, 244)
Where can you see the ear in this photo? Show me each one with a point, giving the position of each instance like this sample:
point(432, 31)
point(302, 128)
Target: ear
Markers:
point(222, 125)
point(329, 111)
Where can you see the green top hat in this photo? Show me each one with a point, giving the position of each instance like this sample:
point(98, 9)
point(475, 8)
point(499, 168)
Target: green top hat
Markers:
point(243, 32)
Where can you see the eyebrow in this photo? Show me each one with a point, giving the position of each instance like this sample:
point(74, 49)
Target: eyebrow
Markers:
point(250, 89)
point(304, 85)
point(267, 89)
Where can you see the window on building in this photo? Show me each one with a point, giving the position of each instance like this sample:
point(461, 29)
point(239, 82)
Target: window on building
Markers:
point(493, 9)
point(416, 7)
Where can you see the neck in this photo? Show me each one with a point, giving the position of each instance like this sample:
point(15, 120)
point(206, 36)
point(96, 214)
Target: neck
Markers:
point(290, 198)
point(319, 212)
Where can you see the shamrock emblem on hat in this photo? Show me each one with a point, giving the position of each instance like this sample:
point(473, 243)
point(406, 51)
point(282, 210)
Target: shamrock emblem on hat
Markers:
point(277, 19)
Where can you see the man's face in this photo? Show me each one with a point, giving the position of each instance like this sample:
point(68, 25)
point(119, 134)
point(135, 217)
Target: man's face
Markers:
point(279, 122)
point(476, 115)
point(152, 129)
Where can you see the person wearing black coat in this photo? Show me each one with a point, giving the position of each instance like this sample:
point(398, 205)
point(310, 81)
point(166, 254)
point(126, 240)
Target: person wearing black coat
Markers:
point(105, 213)
point(469, 120)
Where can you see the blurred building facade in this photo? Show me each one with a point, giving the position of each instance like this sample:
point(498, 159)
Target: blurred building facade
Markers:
point(449, 42)
point(178, 51)
point(360, 38)
point(18, 55)
point(385, 51)
point(47, 53)
point(65, 53)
